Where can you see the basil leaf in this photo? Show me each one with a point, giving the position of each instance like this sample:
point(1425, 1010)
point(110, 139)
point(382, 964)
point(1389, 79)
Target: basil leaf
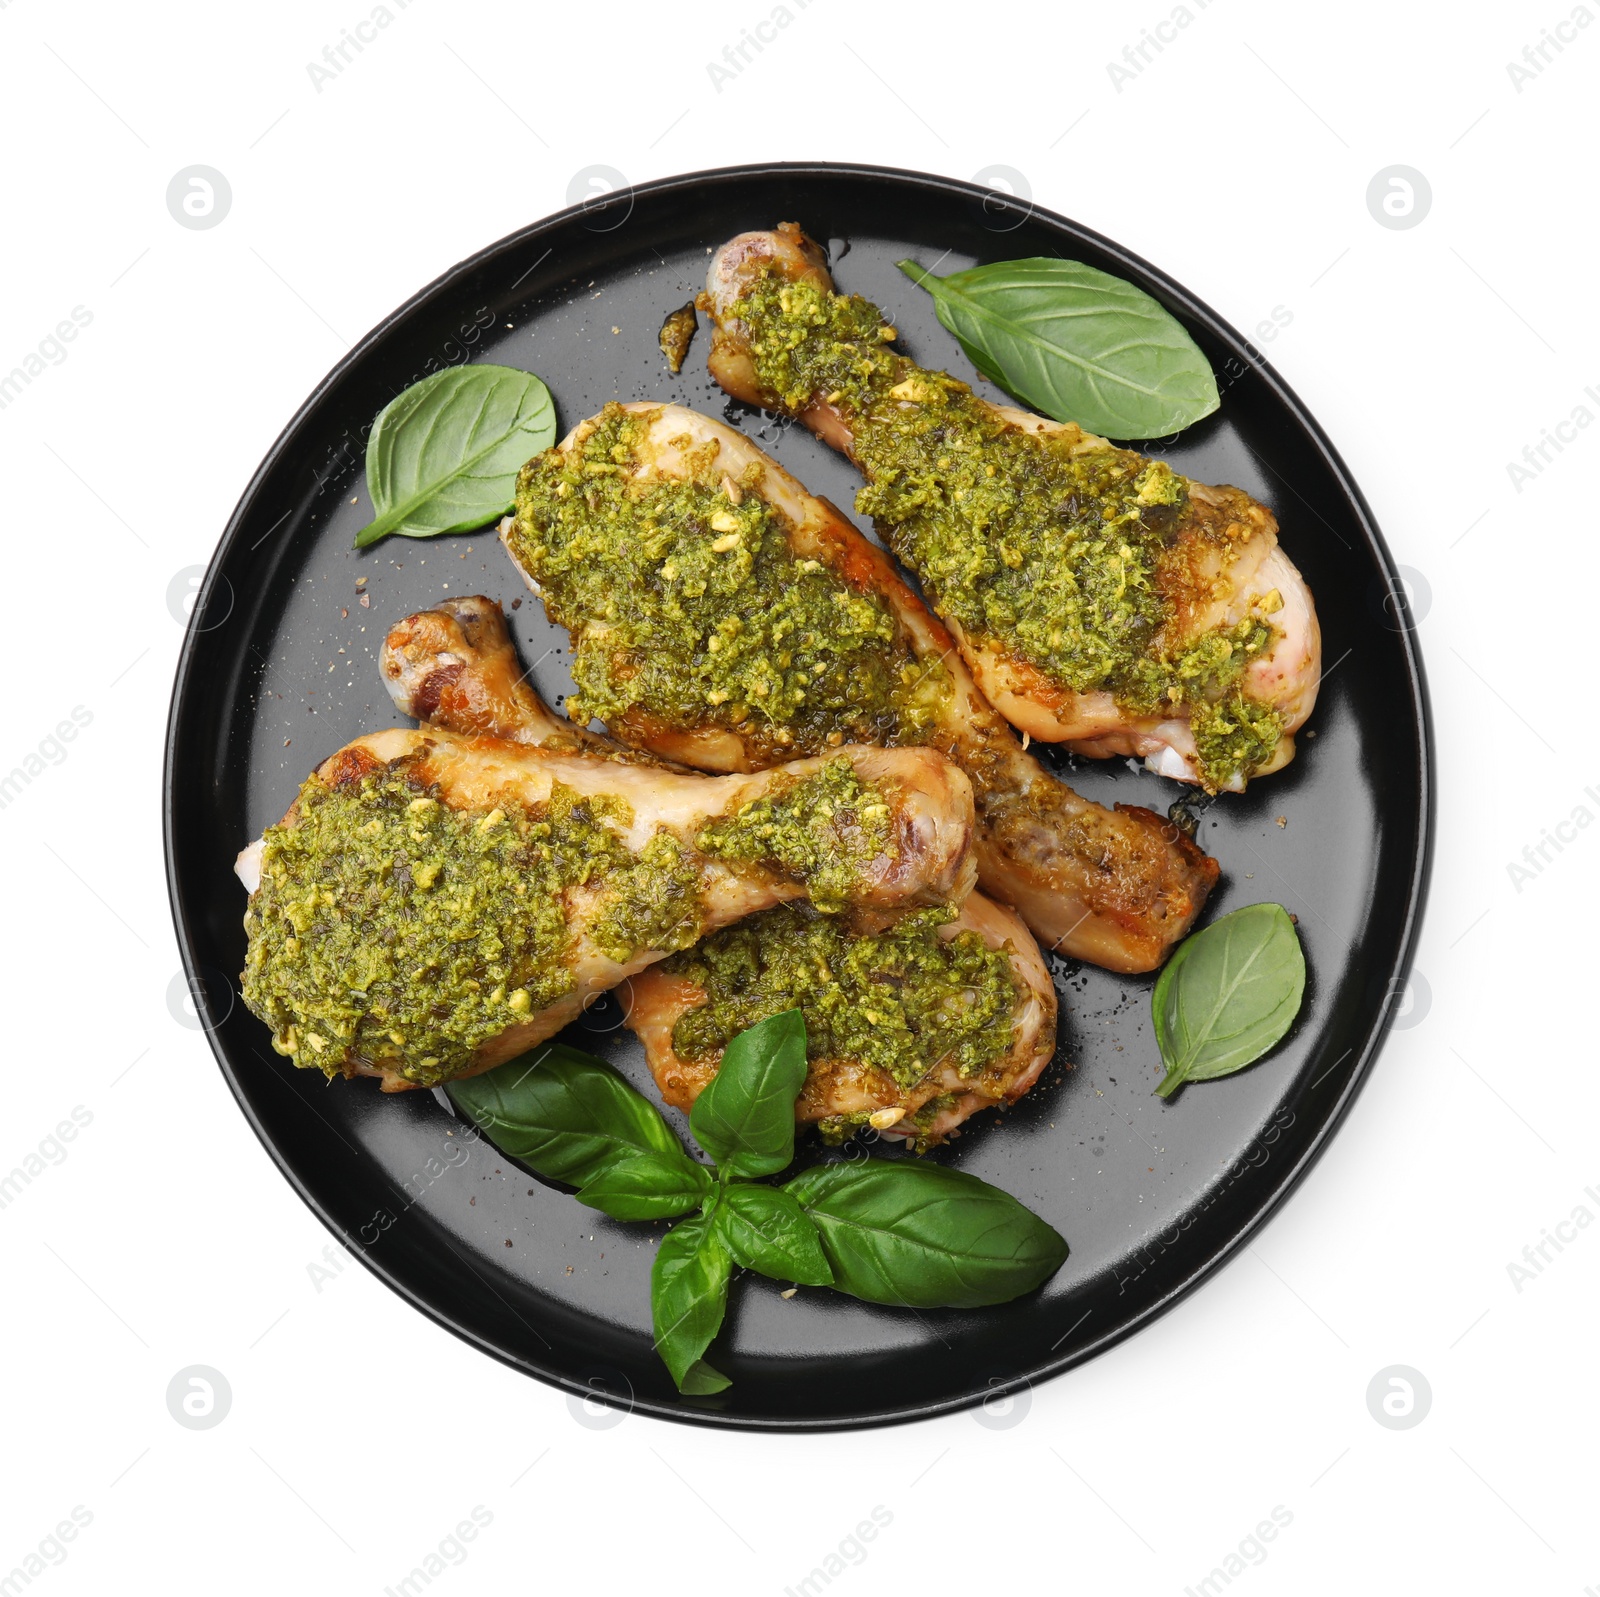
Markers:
point(649, 1186)
point(700, 1380)
point(1228, 994)
point(922, 1236)
point(1075, 343)
point(745, 1117)
point(564, 1114)
point(688, 1296)
point(444, 456)
point(766, 1230)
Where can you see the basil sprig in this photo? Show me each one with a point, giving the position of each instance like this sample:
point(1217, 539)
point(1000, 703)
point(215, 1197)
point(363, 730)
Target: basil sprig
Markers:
point(1228, 995)
point(900, 1232)
point(444, 455)
point(1075, 343)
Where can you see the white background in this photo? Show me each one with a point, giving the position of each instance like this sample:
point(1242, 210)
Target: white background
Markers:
point(1238, 159)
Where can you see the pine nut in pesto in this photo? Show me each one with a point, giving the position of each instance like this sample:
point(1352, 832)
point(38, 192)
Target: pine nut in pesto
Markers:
point(836, 1130)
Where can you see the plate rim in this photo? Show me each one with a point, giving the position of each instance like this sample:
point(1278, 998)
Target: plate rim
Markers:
point(1421, 850)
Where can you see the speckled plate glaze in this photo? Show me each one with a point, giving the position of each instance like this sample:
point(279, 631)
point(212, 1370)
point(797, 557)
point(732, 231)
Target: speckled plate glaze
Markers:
point(279, 669)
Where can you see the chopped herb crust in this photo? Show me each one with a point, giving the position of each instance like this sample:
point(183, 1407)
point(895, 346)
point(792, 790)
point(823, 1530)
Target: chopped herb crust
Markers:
point(904, 1000)
point(1063, 554)
point(688, 606)
point(824, 829)
point(394, 930)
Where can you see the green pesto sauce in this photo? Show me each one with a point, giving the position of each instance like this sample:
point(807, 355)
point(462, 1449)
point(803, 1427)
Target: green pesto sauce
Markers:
point(1055, 554)
point(689, 607)
point(1233, 733)
point(823, 829)
point(392, 929)
point(677, 333)
point(835, 1130)
point(904, 1000)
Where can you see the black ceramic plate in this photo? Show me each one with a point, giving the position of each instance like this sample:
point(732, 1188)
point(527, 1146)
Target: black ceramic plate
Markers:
point(280, 669)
